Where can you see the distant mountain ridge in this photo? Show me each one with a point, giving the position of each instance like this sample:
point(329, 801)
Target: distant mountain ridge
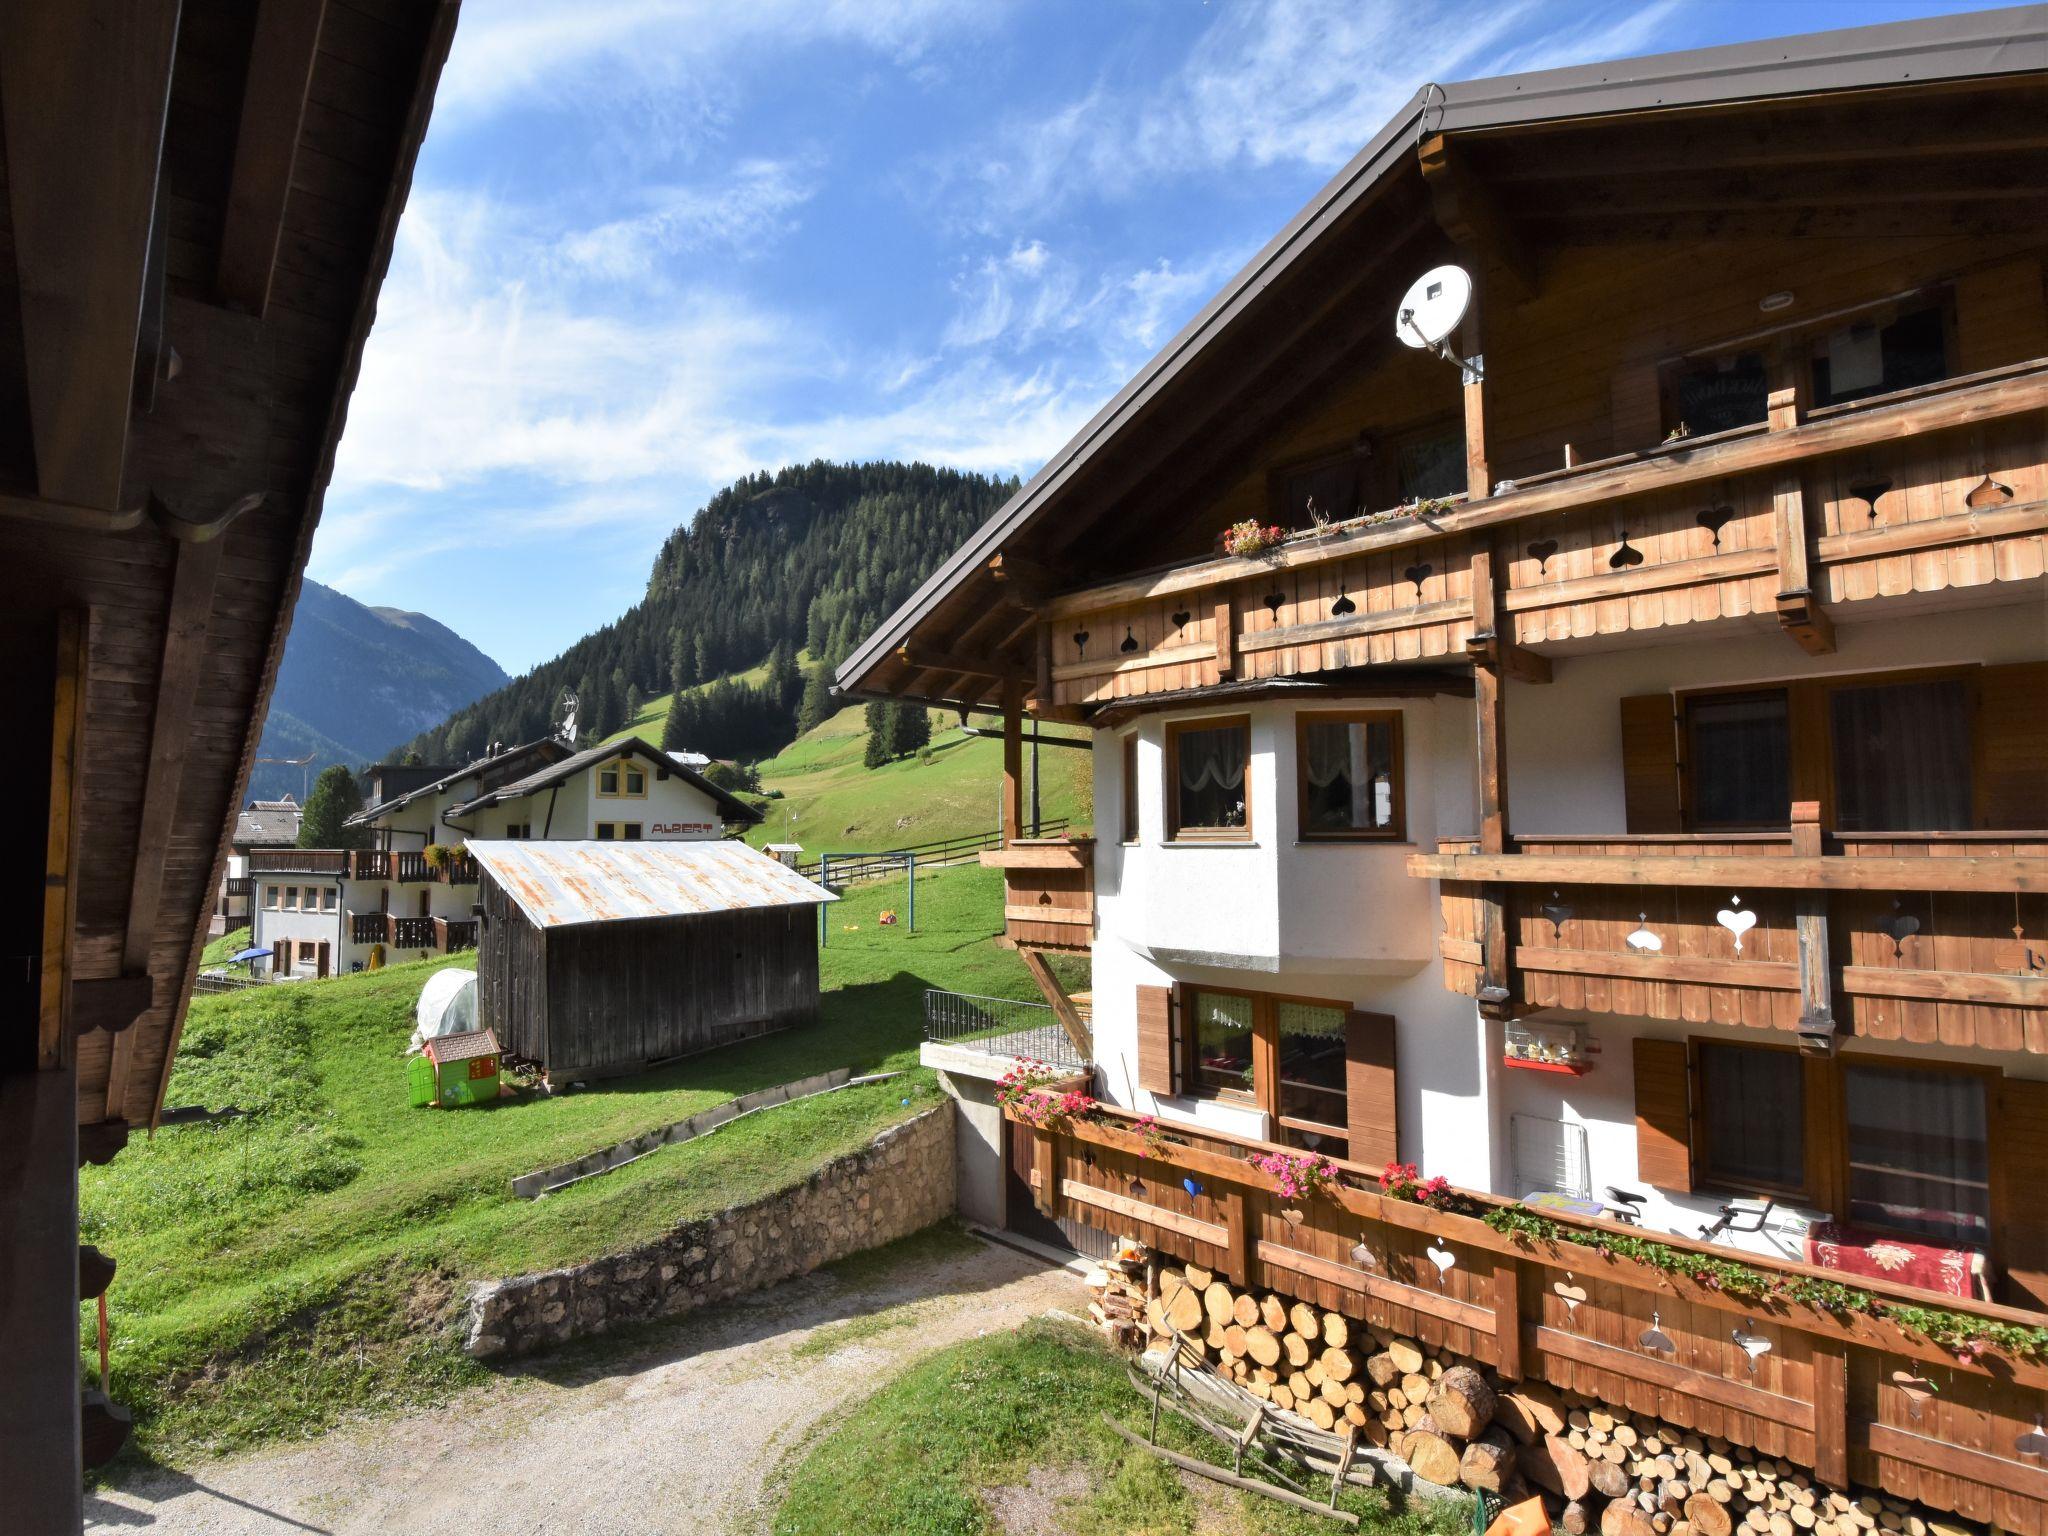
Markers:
point(809, 558)
point(356, 679)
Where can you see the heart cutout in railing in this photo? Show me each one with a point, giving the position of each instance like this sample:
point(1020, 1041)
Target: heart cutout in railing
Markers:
point(1868, 492)
point(1343, 607)
point(1273, 602)
point(1898, 925)
point(1916, 1390)
point(1644, 941)
point(1989, 493)
point(1193, 1188)
point(1540, 552)
point(1180, 618)
point(1130, 641)
point(2034, 1442)
point(1754, 1345)
point(1714, 519)
point(1291, 1216)
point(1625, 555)
point(1418, 574)
point(1442, 1258)
point(1559, 912)
point(1362, 1255)
point(1737, 919)
point(1571, 1296)
point(1080, 639)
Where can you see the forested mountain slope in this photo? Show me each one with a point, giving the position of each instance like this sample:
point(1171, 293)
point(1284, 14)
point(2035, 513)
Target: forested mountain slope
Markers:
point(809, 558)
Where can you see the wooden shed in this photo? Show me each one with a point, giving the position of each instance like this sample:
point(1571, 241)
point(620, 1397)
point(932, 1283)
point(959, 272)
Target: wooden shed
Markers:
point(602, 958)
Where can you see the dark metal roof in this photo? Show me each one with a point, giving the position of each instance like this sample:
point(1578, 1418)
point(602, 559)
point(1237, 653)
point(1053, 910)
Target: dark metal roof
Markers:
point(482, 765)
point(735, 808)
point(2013, 40)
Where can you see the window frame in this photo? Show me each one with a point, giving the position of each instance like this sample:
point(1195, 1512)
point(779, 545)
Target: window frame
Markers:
point(1359, 455)
point(610, 771)
point(1448, 424)
point(1131, 823)
point(1175, 832)
point(1397, 830)
point(1988, 1077)
point(1809, 705)
point(1264, 1094)
point(1708, 1179)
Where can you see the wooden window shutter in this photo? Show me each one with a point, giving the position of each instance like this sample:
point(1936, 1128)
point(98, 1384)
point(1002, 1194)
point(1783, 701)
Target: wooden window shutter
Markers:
point(1158, 1061)
point(1663, 1115)
point(2012, 746)
point(2019, 1217)
point(1370, 1100)
point(1649, 763)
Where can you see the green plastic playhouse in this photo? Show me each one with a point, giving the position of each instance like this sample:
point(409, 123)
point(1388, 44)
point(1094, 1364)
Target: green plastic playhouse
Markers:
point(452, 1070)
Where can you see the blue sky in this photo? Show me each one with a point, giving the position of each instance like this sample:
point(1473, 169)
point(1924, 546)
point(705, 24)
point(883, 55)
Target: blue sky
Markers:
point(654, 245)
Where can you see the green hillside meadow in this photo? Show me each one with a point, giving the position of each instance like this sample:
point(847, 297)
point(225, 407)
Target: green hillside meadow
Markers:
point(282, 1272)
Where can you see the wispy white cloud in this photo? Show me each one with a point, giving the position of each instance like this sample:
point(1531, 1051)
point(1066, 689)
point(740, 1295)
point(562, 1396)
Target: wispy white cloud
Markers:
point(755, 203)
point(1293, 82)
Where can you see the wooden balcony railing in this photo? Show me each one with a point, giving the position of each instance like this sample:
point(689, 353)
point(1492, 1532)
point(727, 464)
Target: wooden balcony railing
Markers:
point(1904, 936)
point(369, 927)
point(1922, 491)
point(369, 864)
point(1846, 1394)
point(1048, 891)
point(298, 861)
point(237, 885)
point(453, 933)
point(413, 933)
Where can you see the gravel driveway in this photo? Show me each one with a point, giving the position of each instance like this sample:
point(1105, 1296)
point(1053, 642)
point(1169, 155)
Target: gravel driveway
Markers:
point(675, 1432)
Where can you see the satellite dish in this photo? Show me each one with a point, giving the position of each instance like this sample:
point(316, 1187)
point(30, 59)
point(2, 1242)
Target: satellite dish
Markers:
point(1433, 306)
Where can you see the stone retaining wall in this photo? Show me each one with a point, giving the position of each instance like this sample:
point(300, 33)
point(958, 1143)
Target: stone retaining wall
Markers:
point(900, 1182)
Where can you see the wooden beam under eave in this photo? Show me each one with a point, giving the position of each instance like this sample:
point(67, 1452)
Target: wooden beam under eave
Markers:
point(84, 87)
point(927, 659)
point(281, 55)
point(1469, 213)
point(193, 578)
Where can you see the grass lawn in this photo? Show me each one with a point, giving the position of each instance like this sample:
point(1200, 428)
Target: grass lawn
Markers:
point(832, 804)
point(219, 951)
point(280, 1271)
point(1015, 1420)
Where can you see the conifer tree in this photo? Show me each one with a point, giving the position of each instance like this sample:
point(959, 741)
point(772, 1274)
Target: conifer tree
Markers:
point(913, 727)
point(335, 798)
point(816, 706)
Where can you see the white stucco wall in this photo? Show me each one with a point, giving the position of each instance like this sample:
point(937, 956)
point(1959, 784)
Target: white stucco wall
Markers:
point(1342, 921)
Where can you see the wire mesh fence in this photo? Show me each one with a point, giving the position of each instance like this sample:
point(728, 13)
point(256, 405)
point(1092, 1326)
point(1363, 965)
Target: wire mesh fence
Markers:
point(999, 1026)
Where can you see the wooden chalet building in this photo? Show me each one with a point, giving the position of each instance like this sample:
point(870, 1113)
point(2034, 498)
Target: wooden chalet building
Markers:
point(197, 206)
point(1626, 786)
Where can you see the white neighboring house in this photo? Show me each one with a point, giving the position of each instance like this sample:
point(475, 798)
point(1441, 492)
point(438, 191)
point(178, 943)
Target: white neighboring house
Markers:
point(265, 824)
point(413, 894)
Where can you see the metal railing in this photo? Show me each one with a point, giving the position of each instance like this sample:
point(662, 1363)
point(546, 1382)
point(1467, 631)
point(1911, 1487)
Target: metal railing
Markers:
point(848, 867)
point(999, 1026)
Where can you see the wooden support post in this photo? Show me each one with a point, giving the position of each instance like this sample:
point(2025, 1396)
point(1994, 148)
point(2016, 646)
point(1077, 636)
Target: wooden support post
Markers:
point(1045, 1174)
point(1238, 1258)
point(1831, 1412)
point(1507, 1316)
point(1044, 684)
point(1013, 760)
point(1471, 338)
point(1489, 643)
point(1226, 640)
point(1496, 989)
point(192, 584)
point(1816, 972)
point(287, 38)
point(1062, 1005)
point(1799, 609)
point(41, 1455)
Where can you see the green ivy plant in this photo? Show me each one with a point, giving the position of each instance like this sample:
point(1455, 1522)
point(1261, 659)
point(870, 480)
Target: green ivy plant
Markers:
point(1964, 1336)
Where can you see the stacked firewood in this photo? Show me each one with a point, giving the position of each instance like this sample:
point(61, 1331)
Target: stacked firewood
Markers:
point(1598, 1468)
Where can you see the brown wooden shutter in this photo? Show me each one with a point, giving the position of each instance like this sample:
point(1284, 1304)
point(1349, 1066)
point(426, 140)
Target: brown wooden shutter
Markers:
point(2012, 746)
point(1157, 1063)
point(2019, 1217)
point(1663, 1115)
point(1649, 763)
point(1371, 1103)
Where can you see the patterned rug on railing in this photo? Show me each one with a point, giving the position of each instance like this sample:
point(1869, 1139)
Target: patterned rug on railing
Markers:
point(1598, 1467)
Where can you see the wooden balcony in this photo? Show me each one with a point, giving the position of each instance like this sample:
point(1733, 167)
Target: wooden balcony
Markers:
point(1930, 937)
point(298, 861)
point(1835, 1392)
point(1048, 891)
point(454, 933)
point(369, 864)
point(412, 868)
point(1939, 489)
point(369, 927)
point(441, 935)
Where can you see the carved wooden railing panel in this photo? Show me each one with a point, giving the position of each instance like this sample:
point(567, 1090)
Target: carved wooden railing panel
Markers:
point(1938, 488)
point(1048, 891)
point(1925, 957)
point(1824, 1395)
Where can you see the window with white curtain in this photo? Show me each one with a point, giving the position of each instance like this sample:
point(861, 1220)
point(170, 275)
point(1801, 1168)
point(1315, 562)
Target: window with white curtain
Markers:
point(1209, 779)
point(1350, 770)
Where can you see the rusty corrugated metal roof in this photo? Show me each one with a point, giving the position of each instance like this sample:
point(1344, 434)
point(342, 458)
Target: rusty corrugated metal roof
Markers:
point(557, 884)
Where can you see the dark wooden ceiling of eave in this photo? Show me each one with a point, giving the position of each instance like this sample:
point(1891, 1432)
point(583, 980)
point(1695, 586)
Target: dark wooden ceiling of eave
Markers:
point(1963, 158)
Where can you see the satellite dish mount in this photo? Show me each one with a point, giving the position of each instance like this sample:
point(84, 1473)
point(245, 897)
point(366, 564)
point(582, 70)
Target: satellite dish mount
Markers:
point(1430, 313)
